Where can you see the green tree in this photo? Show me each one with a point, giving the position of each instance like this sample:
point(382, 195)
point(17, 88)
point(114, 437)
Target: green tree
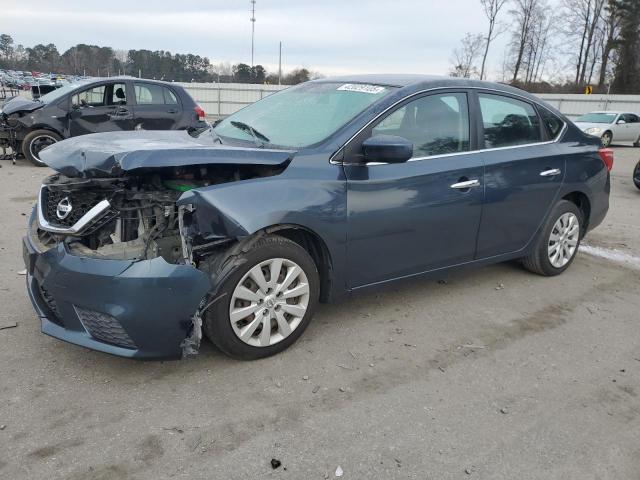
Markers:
point(258, 74)
point(43, 58)
point(6, 48)
point(296, 76)
point(627, 71)
point(242, 73)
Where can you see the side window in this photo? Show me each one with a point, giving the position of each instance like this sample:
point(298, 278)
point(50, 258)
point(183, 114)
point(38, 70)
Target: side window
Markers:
point(631, 118)
point(508, 122)
point(117, 95)
point(552, 123)
point(435, 124)
point(93, 97)
point(169, 97)
point(149, 94)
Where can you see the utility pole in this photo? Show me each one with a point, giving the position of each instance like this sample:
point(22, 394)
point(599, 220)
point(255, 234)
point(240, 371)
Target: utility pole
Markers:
point(280, 65)
point(253, 27)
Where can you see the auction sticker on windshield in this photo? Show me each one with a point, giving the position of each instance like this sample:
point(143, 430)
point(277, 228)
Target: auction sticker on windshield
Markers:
point(357, 87)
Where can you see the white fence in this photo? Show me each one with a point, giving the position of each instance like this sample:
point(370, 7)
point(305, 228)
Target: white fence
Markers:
point(222, 99)
point(575, 105)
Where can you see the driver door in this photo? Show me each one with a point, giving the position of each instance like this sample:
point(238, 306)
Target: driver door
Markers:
point(101, 108)
point(413, 217)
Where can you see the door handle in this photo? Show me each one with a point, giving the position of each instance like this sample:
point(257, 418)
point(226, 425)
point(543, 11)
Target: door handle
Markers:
point(172, 110)
point(466, 184)
point(550, 173)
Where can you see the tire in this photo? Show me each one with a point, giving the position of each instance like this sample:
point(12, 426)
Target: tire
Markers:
point(35, 141)
point(540, 260)
point(265, 253)
point(607, 138)
point(636, 175)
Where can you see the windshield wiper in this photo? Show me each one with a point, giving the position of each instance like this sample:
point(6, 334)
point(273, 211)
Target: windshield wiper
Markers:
point(259, 138)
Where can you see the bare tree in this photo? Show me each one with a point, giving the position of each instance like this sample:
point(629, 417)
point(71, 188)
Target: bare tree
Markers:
point(610, 34)
point(465, 56)
point(491, 10)
point(582, 28)
point(523, 14)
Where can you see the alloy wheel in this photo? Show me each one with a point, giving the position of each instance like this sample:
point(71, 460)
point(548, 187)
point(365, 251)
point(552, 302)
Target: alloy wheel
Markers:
point(40, 143)
point(606, 139)
point(563, 240)
point(269, 302)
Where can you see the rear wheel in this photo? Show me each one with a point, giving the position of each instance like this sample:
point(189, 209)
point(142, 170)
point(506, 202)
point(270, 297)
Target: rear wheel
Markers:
point(558, 243)
point(607, 138)
point(267, 301)
point(36, 141)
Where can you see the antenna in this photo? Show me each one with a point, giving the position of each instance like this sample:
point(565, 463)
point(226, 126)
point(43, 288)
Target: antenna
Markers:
point(253, 26)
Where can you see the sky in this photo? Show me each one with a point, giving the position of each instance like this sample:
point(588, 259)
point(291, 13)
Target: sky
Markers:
point(331, 37)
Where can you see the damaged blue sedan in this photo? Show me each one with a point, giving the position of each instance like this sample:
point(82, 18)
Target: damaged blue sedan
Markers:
point(143, 241)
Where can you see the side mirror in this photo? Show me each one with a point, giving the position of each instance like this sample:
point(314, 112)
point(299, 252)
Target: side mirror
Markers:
point(621, 122)
point(387, 149)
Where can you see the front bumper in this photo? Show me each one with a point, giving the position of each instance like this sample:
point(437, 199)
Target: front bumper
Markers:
point(137, 309)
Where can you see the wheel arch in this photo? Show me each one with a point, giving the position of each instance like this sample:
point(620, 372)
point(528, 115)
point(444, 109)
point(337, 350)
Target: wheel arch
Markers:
point(315, 246)
point(581, 200)
point(32, 128)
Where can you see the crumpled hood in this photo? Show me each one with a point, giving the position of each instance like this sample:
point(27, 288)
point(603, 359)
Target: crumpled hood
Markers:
point(20, 104)
point(115, 153)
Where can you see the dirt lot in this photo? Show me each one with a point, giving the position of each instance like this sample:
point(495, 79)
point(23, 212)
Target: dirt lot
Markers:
point(495, 374)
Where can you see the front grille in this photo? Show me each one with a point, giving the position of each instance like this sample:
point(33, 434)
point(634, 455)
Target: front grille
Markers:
point(104, 327)
point(81, 201)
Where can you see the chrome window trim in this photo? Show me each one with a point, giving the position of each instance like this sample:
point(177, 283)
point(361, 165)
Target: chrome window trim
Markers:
point(430, 157)
point(94, 213)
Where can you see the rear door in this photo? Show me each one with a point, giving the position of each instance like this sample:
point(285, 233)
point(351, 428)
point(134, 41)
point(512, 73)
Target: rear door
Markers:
point(523, 171)
point(101, 108)
point(157, 107)
point(413, 217)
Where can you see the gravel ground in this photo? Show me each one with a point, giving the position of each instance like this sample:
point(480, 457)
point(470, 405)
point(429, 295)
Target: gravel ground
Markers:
point(493, 373)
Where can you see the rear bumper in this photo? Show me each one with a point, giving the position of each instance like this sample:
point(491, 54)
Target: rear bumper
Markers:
point(135, 309)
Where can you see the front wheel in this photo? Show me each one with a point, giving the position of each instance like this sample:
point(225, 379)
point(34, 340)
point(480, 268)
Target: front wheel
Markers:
point(558, 242)
point(266, 302)
point(36, 141)
point(607, 138)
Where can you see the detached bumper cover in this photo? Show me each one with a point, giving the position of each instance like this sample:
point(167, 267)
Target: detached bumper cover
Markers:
point(137, 309)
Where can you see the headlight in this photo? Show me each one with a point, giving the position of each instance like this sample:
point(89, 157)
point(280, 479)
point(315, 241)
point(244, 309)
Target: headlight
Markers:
point(593, 130)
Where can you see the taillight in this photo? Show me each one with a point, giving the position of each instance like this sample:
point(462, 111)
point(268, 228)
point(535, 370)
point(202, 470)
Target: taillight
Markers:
point(606, 154)
point(199, 112)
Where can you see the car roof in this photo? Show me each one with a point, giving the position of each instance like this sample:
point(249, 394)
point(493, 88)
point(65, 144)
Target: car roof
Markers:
point(128, 77)
point(428, 81)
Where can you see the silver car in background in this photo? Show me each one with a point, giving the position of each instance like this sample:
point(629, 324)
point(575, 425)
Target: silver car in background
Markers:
point(611, 126)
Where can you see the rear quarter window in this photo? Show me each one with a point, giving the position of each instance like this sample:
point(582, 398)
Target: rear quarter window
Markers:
point(551, 122)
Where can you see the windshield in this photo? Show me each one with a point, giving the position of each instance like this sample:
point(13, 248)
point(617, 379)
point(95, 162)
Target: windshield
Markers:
point(59, 93)
point(302, 115)
point(597, 118)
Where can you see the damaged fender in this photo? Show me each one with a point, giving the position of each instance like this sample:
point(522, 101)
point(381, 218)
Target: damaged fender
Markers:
point(238, 210)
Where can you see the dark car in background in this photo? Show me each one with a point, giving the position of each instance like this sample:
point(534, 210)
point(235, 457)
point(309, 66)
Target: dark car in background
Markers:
point(141, 240)
point(99, 105)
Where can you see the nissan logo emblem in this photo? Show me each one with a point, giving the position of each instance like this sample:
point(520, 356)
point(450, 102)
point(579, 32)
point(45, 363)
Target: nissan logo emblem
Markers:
point(64, 208)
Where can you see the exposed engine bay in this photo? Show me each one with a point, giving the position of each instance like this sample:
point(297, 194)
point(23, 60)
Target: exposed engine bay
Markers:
point(132, 217)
